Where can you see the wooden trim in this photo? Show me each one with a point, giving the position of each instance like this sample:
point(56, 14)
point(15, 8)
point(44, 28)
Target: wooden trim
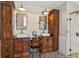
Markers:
point(11, 3)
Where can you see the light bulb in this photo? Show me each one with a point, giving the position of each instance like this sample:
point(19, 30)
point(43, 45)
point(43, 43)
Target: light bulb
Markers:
point(21, 9)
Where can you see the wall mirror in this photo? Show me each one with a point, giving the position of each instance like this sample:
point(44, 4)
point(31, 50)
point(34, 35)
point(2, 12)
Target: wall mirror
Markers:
point(43, 23)
point(21, 21)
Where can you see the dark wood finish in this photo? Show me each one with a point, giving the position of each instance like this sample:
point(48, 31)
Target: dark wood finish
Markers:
point(22, 45)
point(51, 24)
point(0, 23)
point(6, 29)
point(21, 48)
point(53, 27)
point(47, 45)
point(36, 41)
point(7, 48)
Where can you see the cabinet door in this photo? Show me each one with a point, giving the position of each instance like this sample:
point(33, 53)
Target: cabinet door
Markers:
point(56, 31)
point(44, 42)
point(7, 16)
point(7, 48)
point(21, 48)
point(44, 45)
point(54, 28)
point(17, 46)
point(1, 23)
point(6, 26)
point(51, 23)
point(25, 46)
point(35, 42)
point(50, 44)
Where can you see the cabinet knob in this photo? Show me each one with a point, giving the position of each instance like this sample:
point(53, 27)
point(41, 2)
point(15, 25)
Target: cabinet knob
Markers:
point(47, 39)
point(51, 34)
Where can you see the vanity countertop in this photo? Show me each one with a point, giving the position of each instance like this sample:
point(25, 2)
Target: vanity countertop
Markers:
point(39, 37)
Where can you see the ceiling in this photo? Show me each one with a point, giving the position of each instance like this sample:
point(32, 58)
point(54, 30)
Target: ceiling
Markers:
point(76, 2)
point(38, 6)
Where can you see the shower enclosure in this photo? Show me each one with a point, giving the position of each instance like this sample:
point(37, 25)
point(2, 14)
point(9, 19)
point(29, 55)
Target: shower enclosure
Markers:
point(74, 32)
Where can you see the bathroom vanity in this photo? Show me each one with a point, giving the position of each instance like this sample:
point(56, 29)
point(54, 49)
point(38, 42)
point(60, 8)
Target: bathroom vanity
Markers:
point(22, 45)
point(19, 47)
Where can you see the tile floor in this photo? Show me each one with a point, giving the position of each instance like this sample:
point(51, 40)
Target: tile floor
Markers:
point(51, 55)
point(56, 55)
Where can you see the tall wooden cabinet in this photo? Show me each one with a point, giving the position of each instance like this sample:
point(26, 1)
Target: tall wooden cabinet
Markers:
point(6, 9)
point(53, 27)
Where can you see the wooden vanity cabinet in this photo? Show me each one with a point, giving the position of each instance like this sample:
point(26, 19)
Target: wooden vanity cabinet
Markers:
point(47, 44)
point(36, 42)
point(21, 48)
point(51, 44)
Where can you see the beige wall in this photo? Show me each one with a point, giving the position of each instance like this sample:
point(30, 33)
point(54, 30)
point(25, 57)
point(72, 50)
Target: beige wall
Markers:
point(33, 24)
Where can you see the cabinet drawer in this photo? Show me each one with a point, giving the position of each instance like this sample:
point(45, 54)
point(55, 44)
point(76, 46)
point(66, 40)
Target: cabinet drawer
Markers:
point(35, 42)
point(44, 42)
point(44, 50)
point(50, 42)
point(21, 46)
point(25, 46)
point(17, 46)
point(50, 49)
point(22, 55)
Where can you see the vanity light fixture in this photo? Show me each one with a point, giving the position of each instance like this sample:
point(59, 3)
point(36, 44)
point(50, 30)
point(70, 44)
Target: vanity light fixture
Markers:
point(45, 12)
point(21, 8)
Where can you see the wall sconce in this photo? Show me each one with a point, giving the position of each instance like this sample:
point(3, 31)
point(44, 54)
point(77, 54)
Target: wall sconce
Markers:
point(45, 12)
point(21, 9)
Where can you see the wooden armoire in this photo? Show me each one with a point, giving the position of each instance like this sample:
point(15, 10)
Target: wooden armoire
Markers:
point(6, 11)
point(53, 28)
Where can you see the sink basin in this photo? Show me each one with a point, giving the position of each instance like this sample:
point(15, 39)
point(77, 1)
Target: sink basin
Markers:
point(21, 36)
point(45, 34)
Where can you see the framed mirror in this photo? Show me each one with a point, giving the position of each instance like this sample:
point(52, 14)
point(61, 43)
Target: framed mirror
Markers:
point(21, 21)
point(43, 23)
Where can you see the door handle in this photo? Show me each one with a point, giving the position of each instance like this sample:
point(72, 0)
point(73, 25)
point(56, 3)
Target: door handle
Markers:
point(77, 34)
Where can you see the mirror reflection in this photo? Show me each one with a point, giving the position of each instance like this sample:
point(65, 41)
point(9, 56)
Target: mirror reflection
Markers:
point(21, 21)
point(43, 23)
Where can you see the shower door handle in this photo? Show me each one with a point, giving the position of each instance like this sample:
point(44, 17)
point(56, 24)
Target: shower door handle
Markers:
point(77, 34)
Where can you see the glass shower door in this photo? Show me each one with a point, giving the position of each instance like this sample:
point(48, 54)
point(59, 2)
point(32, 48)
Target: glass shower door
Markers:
point(74, 33)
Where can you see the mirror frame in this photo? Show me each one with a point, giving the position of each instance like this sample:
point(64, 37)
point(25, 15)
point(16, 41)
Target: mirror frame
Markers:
point(44, 20)
point(18, 27)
